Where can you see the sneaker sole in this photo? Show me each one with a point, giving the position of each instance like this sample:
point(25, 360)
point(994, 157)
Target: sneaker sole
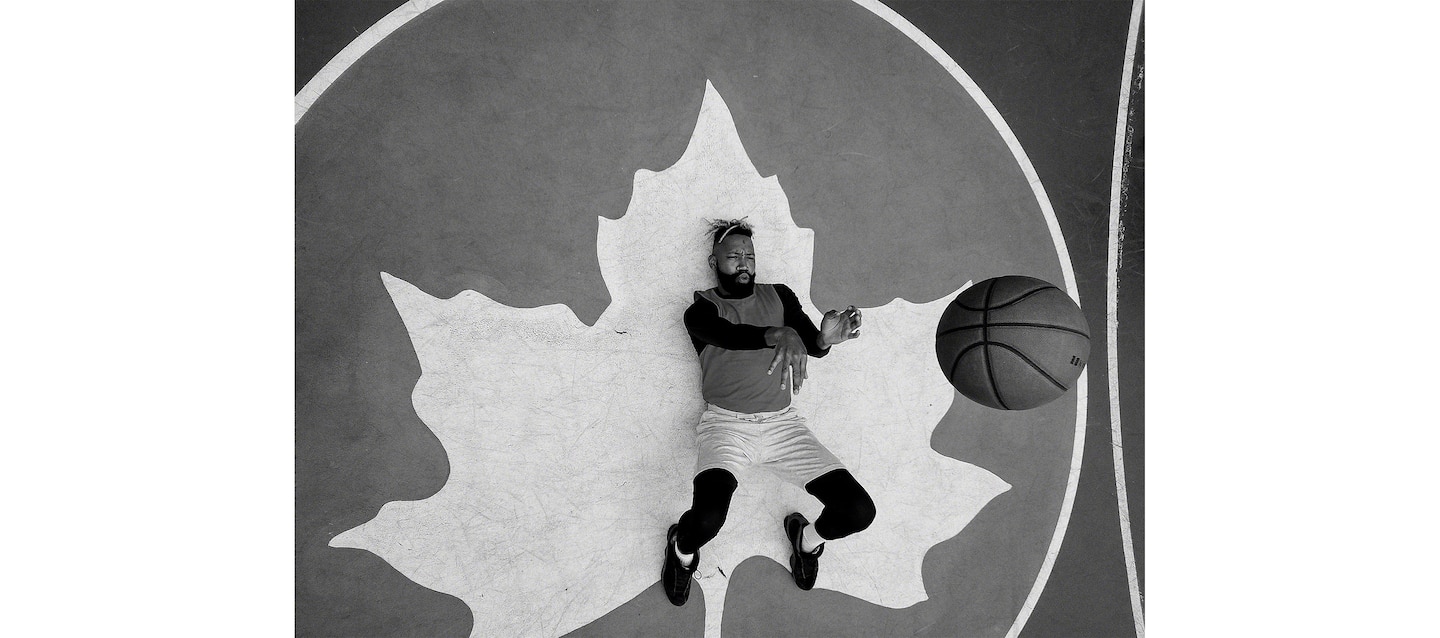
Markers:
point(795, 549)
point(669, 540)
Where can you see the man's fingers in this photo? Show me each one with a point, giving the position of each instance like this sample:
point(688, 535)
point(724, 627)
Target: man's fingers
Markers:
point(779, 356)
point(798, 376)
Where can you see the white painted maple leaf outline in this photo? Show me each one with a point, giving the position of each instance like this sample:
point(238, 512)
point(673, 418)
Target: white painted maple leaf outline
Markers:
point(572, 447)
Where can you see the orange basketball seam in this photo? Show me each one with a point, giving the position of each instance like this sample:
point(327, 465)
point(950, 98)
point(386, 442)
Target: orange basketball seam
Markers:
point(985, 340)
point(961, 355)
point(1006, 304)
point(1027, 360)
point(1012, 324)
point(955, 365)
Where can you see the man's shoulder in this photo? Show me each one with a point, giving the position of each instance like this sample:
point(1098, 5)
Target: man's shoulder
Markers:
point(713, 296)
point(705, 300)
point(785, 294)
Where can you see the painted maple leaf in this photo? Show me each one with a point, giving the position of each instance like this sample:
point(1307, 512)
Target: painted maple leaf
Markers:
point(572, 447)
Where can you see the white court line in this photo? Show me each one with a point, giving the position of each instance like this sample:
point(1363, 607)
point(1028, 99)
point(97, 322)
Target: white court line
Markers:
point(1112, 317)
point(352, 52)
point(1081, 384)
point(387, 25)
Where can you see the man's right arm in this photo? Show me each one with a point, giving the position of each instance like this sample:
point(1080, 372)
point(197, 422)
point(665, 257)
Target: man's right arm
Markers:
point(707, 327)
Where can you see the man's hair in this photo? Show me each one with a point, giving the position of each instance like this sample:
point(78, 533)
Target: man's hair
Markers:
point(722, 228)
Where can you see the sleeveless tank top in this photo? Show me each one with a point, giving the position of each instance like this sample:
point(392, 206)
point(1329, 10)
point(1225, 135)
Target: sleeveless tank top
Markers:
point(736, 379)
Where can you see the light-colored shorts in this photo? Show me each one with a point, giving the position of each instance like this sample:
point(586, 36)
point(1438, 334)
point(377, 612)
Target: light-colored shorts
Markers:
point(777, 441)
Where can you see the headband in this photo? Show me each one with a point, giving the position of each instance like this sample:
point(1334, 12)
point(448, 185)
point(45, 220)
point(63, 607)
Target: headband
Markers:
point(731, 226)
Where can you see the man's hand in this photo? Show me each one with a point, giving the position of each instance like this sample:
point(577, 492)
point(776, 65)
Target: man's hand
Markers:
point(790, 356)
point(839, 326)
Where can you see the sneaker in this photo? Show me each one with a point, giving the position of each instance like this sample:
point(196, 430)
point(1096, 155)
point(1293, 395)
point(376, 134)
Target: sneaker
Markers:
point(803, 565)
point(675, 577)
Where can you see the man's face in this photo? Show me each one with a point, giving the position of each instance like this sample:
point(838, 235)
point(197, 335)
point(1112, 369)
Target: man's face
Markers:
point(734, 262)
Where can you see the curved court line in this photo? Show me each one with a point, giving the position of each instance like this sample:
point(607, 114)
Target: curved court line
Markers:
point(1112, 317)
point(395, 19)
point(352, 52)
point(1081, 384)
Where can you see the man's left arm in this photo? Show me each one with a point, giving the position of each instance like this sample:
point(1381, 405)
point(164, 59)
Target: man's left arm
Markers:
point(795, 317)
point(837, 327)
point(800, 332)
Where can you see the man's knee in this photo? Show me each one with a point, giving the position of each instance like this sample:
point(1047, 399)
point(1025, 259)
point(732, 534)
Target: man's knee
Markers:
point(715, 482)
point(706, 516)
point(862, 512)
point(855, 515)
point(848, 507)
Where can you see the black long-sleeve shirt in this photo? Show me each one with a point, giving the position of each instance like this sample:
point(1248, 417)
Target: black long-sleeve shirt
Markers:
point(707, 327)
point(729, 336)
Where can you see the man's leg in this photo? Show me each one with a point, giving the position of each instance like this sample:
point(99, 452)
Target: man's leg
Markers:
point(848, 509)
point(713, 489)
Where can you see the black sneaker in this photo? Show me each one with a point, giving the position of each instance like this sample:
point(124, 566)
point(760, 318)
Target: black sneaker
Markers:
point(675, 577)
point(803, 565)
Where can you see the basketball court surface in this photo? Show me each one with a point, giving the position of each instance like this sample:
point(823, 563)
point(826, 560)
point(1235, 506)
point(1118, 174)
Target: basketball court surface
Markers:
point(499, 219)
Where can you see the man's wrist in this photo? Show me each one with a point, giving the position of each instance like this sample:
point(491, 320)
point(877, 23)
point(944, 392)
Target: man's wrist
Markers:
point(773, 334)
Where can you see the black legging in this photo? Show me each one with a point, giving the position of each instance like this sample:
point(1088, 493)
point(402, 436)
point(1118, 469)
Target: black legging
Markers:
point(848, 508)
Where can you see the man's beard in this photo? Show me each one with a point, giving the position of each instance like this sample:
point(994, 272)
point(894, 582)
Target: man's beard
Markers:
point(733, 285)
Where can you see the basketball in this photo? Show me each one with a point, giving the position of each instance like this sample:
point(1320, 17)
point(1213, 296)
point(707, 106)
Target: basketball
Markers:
point(1012, 342)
